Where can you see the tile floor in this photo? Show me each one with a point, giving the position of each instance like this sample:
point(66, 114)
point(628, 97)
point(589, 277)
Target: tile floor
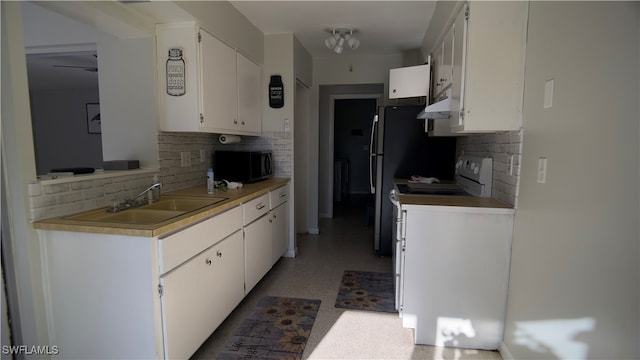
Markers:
point(344, 243)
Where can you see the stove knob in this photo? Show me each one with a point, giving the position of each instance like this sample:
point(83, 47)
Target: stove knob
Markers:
point(476, 170)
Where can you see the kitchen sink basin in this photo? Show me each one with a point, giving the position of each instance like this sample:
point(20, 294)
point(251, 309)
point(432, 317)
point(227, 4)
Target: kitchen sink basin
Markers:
point(182, 204)
point(132, 216)
point(162, 210)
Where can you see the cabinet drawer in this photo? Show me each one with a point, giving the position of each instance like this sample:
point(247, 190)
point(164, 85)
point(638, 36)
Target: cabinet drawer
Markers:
point(177, 248)
point(278, 196)
point(255, 208)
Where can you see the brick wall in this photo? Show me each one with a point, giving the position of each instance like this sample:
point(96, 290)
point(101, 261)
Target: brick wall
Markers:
point(54, 198)
point(50, 199)
point(500, 146)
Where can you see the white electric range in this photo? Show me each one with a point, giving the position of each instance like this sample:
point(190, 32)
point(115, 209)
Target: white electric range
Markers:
point(473, 177)
point(452, 259)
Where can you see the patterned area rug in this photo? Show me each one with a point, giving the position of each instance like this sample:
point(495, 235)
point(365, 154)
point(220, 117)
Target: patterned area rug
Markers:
point(366, 291)
point(277, 328)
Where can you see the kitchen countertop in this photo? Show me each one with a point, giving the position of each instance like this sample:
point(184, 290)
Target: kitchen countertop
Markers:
point(435, 200)
point(235, 198)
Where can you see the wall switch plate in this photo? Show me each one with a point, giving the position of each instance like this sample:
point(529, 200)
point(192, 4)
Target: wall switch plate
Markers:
point(510, 165)
point(185, 158)
point(542, 170)
point(202, 156)
point(548, 94)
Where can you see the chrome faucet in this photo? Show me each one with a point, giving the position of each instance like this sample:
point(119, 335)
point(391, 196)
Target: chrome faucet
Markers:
point(150, 193)
point(134, 203)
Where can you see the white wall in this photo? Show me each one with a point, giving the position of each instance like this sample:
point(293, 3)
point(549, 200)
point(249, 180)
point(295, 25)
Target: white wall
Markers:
point(60, 132)
point(574, 289)
point(18, 169)
point(278, 55)
point(224, 21)
point(128, 101)
point(54, 29)
point(340, 70)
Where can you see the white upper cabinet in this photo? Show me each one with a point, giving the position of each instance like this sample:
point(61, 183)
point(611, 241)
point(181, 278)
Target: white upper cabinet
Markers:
point(410, 81)
point(493, 67)
point(249, 99)
point(487, 41)
point(219, 85)
point(442, 70)
point(221, 92)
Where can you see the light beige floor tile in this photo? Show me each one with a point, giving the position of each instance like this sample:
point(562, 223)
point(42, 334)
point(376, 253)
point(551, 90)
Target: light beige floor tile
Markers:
point(344, 243)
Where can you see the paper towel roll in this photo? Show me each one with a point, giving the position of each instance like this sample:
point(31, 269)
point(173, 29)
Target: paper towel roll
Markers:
point(229, 139)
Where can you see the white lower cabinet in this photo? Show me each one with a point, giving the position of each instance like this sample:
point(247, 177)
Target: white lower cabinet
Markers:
point(279, 232)
point(456, 274)
point(257, 246)
point(199, 294)
point(279, 205)
point(121, 296)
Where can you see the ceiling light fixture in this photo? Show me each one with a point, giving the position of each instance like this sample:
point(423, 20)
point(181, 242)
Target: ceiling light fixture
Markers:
point(341, 34)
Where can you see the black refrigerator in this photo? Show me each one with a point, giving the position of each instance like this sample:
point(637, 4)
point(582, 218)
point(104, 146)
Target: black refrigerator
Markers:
point(400, 148)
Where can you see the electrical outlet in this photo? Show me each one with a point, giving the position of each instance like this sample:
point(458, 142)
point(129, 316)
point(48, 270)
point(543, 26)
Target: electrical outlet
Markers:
point(548, 94)
point(542, 170)
point(202, 156)
point(185, 158)
point(510, 165)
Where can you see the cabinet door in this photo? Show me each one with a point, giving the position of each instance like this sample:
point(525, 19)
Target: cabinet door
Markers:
point(280, 238)
point(219, 94)
point(257, 250)
point(492, 93)
point(447, 57)
point(198, 295)
point(179, 113)
point(459, 47)
point(436, 60)
point(249, 99)
point(410, 81)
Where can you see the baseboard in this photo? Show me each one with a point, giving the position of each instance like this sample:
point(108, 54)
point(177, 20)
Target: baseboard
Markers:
point(314, 231)
point(504, 352)
point(291, 253)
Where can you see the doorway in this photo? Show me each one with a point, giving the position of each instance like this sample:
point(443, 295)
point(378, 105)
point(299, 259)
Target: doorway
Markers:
point(352, 127)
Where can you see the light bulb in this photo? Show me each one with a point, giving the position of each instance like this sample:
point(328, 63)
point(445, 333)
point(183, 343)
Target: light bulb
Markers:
point(353, 43)
point(330, 42)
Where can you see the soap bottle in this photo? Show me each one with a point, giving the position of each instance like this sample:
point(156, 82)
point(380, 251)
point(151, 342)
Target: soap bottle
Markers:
point(210, 183)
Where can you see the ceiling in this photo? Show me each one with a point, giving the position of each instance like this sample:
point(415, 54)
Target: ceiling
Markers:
point(78, 70)
point(383, 27)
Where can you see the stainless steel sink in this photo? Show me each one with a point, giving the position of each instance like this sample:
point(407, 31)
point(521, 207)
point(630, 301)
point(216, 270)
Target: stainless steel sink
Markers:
point(182, 204)
point(160, 211)
point(133, 216)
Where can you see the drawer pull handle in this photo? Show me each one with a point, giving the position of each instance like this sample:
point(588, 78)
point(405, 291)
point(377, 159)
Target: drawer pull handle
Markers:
point(219, 254)
point(208, 261)
point(260, 206)
point(283, 195)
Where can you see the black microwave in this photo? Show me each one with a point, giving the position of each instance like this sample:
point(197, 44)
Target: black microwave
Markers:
point(242, 166)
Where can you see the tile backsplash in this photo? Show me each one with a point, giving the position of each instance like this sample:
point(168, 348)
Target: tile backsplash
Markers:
point(59, 199)
point(501, 147)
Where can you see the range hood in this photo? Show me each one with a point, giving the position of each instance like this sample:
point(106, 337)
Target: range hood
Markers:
point(440, 109)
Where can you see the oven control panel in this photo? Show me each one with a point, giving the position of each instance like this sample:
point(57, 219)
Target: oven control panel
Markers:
point(475, 168)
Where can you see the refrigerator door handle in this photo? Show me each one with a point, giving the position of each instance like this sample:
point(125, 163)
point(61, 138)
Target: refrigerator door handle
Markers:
point(372, 153)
